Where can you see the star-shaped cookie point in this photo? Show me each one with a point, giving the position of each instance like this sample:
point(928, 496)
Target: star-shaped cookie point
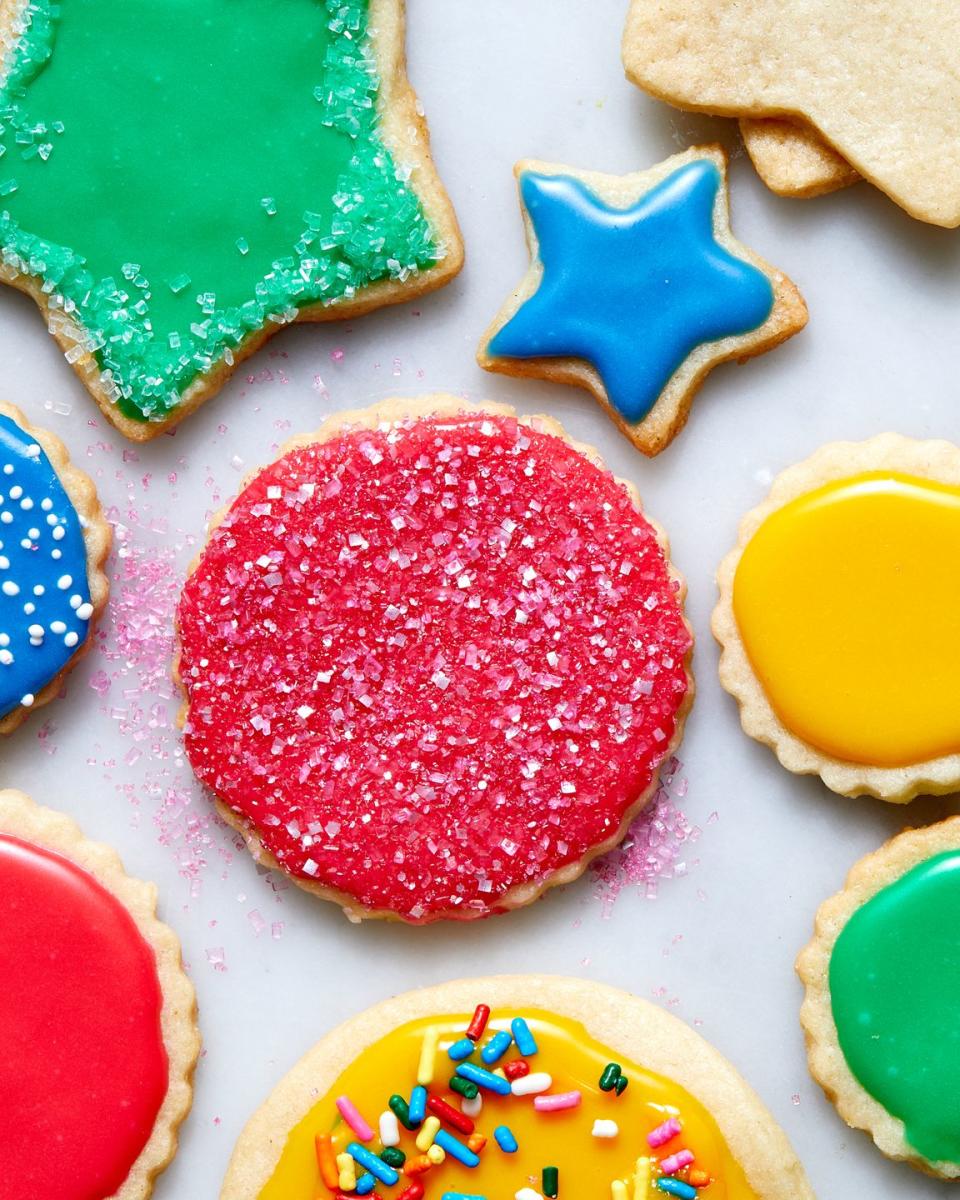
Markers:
point(792, 159)
point(636, 289)
point(169, 210)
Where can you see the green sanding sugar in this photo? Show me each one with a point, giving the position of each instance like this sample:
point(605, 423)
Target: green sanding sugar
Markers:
point(247, 127)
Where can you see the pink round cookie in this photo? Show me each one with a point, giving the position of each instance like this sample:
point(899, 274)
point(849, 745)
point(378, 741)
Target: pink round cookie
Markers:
point(433, 658)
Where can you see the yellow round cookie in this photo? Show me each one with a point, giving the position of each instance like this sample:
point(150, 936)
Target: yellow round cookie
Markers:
point(616, 1095)
point(838, 618)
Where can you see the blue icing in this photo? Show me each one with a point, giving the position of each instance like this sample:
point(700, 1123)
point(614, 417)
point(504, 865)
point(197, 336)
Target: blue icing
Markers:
point(43, 617)
point(633, 291)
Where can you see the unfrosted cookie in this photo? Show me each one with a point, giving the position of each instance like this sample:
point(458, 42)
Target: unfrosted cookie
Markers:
point(880, 84)
point(97, 1019)
point(882, 979)
point(54, 542)
point(792, 159)
point(837, 618)
point(636, 289)
point(270, 164)
point(433, 657)
point(531, 1086)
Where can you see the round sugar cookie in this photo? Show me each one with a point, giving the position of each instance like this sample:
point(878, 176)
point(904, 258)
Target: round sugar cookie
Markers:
point(882, 979)
point(54, 541)
point(97, 1018)
point(433, 657)
point(515, 1075)
point(838, 619)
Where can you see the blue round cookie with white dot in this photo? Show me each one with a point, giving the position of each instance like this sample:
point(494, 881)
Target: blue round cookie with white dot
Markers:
point(45, 607)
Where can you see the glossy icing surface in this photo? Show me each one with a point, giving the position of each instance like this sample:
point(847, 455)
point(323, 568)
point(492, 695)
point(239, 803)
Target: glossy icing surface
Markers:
point(564, 1139)
point(83, 1071)
point(636, 290)
point(178, 201)
point(846, 600)
point(434, 663)
point(895, 993)
point(45, 607)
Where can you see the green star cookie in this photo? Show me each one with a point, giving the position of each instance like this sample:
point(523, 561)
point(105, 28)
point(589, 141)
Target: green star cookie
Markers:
point(180, 178)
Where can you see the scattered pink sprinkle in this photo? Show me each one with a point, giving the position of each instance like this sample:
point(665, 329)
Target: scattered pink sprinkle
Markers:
point(217, 958)
point(653, 848)
point(44, 737)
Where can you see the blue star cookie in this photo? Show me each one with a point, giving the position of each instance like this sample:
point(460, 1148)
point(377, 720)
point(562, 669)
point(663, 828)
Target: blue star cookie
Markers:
point(636, 289)
point(53, 543)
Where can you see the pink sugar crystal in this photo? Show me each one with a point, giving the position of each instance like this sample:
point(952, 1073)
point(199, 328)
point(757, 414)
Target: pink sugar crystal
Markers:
point(653, 846)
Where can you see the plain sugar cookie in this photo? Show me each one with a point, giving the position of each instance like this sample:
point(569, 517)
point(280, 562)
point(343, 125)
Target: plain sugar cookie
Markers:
point(97, 1018)
point(636, 289)
point(882, 979)
point(54, 542)
point(433, 658)
point(519, 1086)
point(880, 83)
point(792, 159)
point(272, 165)
point(837, 618)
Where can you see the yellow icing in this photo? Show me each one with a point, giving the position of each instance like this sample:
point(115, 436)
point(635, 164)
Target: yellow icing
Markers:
point(848, 603)
point(587, 1165)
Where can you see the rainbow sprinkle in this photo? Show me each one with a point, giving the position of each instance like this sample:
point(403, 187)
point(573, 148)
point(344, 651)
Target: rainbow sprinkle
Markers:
point(439, 1129)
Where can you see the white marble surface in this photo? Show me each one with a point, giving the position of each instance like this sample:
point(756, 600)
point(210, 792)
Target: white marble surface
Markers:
point(502, 80)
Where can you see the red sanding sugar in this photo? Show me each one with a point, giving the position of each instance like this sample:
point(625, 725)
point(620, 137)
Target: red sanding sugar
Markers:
point(433, 663)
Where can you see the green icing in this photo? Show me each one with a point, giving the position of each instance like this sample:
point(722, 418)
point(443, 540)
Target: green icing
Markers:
point(179, 172)
point(895, 992)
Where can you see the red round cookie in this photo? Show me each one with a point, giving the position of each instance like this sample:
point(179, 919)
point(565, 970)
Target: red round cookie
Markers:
point(431, 665)
point(83, 1068)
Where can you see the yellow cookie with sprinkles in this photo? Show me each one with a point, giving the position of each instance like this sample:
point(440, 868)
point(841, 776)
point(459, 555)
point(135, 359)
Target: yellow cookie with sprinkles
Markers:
point(838, 619)
point(517, 1086)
